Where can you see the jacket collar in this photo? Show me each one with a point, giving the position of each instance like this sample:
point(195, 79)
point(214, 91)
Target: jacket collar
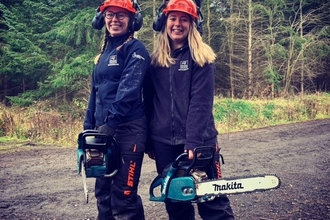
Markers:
point(176, 52)
point(118, 40)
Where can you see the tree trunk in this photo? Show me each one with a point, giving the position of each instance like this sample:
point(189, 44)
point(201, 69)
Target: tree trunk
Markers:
point(249, 95)
point(302, 63)
point(231, 51)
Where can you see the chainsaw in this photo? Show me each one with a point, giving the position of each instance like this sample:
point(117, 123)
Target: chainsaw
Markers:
point(187, 180)
point(97, 156)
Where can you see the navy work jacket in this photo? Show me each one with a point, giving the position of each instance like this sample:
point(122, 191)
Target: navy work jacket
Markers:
point(117, 80)
point(179, 102)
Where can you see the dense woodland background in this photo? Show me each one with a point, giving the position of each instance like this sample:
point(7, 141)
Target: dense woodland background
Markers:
point(265, 48)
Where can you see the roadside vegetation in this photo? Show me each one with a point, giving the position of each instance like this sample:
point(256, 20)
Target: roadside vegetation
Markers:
point(272, 64)
point(60, 125)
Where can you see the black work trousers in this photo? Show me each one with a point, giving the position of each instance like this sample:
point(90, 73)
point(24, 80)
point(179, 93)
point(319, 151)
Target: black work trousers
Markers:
point(217, 209)
point(117, 197)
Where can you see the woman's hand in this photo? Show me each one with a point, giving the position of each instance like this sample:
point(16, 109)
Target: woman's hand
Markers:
point(190, 154)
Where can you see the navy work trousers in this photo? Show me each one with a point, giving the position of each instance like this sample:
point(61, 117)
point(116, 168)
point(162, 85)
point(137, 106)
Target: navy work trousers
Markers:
point(117, 197)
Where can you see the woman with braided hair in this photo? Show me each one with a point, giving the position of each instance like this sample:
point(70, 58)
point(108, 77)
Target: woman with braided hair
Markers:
point(115, 108)
point(179, 95)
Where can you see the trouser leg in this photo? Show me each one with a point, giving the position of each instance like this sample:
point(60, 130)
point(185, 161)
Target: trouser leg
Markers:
point(117, 197)
point(103, 196)
point(125, 201)
point(219, 208)
point(165, 155)
point(180, 211)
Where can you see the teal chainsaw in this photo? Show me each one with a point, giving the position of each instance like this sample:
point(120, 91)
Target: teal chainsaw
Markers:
point(97, 156)
point(187, 180)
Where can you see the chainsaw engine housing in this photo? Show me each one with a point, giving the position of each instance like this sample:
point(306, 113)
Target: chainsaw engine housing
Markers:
point(98, 154)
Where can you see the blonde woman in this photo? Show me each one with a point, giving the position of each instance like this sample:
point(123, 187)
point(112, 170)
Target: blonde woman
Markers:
point(179, 94)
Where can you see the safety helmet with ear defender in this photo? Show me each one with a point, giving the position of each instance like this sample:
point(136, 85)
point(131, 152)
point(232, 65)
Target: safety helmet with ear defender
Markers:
point(187, 6)
point(129, 5)
point(125, 4)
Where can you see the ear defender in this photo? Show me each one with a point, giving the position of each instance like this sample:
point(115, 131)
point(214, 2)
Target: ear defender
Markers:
point(138, 18)
point(98, 20)
point(159, 21)
point(200, 21)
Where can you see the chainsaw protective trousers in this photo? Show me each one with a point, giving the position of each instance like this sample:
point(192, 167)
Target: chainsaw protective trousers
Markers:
point(117, 197)
point(217, 209)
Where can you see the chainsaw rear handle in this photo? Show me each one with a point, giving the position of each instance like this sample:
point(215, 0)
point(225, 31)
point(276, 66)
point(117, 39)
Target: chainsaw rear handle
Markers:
point(111, 174)
point(203, 157)
point(157, 182)
point(114, 172)
point(201, 154)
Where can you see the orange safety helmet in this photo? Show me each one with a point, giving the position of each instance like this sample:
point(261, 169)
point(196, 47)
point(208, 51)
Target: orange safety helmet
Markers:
point(187, 6)
point(125, 4)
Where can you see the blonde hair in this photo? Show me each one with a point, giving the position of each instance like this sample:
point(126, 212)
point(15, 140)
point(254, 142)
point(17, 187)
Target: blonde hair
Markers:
point(201, 52)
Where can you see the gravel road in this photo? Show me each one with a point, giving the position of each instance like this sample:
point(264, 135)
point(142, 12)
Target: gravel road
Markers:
point(40, 182)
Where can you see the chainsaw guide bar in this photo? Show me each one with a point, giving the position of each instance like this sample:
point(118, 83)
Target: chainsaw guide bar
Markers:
point(237, 185)
point(83, 175)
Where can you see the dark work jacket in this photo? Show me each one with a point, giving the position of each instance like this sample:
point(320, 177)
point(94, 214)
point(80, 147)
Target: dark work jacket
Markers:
point(116, 93)
point(179, 102)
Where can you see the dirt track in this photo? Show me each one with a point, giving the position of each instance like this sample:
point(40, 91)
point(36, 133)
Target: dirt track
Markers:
point(40, 182)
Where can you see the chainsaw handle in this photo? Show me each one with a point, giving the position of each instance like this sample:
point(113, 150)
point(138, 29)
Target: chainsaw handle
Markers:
point(203, 157)
point(180, 158)
point(111, 174)
point(158, 181)
point(197, 159)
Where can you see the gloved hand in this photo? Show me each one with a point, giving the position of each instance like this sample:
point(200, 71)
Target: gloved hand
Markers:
point(106, 129)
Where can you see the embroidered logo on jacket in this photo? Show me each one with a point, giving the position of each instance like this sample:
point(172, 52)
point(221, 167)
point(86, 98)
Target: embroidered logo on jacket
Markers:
point(113, 61)
point(183, 65)
point(134, 55)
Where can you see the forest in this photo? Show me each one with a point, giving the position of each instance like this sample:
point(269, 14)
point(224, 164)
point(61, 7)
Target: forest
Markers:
point(265, 48)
